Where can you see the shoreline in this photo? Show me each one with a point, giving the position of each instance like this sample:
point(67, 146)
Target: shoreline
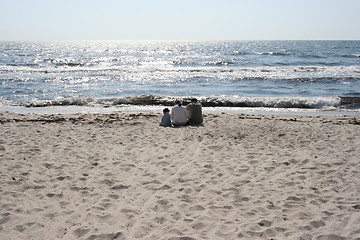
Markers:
point(112, 117)
point(122, 176)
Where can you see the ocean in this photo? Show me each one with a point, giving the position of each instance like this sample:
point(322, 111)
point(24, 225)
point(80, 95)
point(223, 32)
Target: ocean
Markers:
point(277, 75)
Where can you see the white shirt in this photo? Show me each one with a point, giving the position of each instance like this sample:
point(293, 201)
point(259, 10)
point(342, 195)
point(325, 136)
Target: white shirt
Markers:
point(178, 115)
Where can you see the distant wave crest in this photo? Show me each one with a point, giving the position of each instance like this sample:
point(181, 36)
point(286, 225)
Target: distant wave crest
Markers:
point(274, 53)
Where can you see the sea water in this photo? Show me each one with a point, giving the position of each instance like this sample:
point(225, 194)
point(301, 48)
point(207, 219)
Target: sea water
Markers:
point(320, 75)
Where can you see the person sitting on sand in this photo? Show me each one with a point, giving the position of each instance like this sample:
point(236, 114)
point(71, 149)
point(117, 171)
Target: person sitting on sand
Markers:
point(178, 114)
point(165, 120)
point(194, 112)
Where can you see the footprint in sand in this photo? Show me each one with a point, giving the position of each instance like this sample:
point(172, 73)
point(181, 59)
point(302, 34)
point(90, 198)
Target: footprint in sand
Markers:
point(181, 238)
point(197, 208)
point(162, 205)
point(5, 218)
point(330, 237)
point(239, 199)
point(265, 223)
point(215, 147)
point(317, 224)
point(81, 232)
point(114, 196)
point(112, 236)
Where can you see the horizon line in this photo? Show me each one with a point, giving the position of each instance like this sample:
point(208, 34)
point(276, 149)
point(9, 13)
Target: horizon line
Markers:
point(164, 40)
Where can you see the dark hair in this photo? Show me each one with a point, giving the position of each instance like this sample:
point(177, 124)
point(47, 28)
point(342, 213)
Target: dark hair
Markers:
point(166, 110)
point(194, 100)
point(177, 102)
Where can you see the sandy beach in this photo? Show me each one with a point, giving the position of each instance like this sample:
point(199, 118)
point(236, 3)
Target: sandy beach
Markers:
point(122, 176)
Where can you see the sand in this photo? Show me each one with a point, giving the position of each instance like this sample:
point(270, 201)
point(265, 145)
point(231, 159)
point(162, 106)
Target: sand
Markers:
point(122, 176)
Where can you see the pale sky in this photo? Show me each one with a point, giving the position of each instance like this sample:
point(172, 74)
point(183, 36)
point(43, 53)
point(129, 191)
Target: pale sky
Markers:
point(179, 19)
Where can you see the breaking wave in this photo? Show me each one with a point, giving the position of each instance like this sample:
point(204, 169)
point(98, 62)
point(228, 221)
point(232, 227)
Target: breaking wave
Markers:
point(235, 101)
